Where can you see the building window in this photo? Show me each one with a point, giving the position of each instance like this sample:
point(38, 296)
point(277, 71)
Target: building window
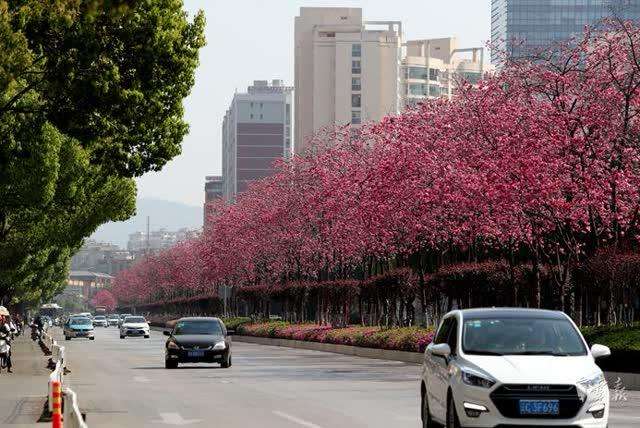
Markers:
point(260, 115)
point(355, 84)
point(356, 50)
point(433, 74)
point(418, 73)
point(251, 115)
point(356, 117)
point(356, 100)
point(288, 114)
point(260, 105)
point(355, 66)
point(251, 104)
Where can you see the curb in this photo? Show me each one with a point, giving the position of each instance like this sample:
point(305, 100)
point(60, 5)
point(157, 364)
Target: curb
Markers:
point(356, 351)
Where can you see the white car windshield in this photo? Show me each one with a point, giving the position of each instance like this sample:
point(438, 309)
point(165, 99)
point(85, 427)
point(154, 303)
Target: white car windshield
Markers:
point(521, 336)
point(136, 320)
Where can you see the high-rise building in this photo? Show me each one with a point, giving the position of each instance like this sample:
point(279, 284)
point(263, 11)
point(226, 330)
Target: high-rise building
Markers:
point(256, 131)
point(346, 70)
point(519, 27)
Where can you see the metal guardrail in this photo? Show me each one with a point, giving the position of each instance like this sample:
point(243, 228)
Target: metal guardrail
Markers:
point(71, 415)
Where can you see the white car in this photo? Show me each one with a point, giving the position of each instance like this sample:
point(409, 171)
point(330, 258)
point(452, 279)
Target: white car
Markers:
point(512, 367)
point(134, 326)
point(100, 321)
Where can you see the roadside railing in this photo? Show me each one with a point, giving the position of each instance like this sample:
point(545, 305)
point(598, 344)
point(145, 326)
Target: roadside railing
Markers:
point(71, 415)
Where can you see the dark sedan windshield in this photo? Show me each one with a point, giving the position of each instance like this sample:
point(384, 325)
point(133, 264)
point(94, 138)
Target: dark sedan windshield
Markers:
point(198, 327)
point(521, 336)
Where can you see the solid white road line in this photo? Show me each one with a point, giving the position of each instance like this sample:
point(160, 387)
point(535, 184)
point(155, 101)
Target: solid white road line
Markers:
point(293, 419)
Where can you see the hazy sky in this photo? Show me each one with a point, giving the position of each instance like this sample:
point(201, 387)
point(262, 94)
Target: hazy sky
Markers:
point(251, 40)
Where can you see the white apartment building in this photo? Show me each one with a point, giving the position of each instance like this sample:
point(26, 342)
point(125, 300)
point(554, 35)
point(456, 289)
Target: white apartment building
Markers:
point(432, 67)
point(352, 71)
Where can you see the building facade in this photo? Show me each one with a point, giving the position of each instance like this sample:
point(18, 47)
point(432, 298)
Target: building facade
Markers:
point(346, 70)
point(101, 257)
point(213, 191)
point(351, 71)
point(257, 130)
point(520, 27)
point(141, 243)
point(431, 68)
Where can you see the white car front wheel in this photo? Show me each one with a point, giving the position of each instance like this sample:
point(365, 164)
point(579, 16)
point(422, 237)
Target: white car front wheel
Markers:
point(452, 415)
point(427, 422)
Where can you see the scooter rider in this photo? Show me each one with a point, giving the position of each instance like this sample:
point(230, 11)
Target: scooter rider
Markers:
point(5, 333)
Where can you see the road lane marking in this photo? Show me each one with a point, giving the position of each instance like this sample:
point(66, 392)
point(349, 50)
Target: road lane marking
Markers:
point(295, 420)
point(140, 379)
point(175, 419)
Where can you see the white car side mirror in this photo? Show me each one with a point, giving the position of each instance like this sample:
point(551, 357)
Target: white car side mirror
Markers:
point(600, 351)
point(441, 350)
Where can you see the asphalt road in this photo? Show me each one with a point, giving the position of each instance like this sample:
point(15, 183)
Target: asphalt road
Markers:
point(124, 383)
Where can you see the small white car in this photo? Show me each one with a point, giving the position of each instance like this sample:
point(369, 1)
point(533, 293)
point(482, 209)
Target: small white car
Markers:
point(100, 321)
point(512, 367)
point(134, 326)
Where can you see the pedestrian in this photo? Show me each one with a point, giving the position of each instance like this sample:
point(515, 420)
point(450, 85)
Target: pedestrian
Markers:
point(5, 333)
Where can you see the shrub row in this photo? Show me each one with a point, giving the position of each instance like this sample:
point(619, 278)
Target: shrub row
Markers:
point(410, 339)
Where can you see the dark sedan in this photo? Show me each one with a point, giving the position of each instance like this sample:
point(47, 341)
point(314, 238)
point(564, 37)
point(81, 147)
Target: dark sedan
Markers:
point(198, 340)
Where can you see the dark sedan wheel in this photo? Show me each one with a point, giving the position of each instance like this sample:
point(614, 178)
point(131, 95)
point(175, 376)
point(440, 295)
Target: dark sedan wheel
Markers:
point(452, 415)
point(227, 362)
point(168, 364)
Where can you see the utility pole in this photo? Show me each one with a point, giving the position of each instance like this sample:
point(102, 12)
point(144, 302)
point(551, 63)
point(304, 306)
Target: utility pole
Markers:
point(147, 249)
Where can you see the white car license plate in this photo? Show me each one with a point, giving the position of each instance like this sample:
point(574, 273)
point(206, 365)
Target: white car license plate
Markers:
point(196, 353)
point(539, 407)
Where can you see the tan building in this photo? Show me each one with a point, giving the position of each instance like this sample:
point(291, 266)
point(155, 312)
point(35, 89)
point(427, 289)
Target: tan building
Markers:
point(352, 71)
point(346, 70)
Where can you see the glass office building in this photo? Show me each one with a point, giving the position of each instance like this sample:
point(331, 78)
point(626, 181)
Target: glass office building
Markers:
point(520, 26)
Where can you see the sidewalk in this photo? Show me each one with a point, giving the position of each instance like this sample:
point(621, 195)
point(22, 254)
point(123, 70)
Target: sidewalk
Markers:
point(23, 392)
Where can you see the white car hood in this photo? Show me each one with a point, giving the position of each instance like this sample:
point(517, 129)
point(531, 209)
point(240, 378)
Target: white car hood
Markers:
point(135, 325)
point(537, 369)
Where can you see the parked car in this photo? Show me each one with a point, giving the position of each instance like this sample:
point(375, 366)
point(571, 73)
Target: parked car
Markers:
point(100, 321)
point(134, 326)
point(113, 319)
point(122, 317)
point(197, 340)
point(78, 327)
point(508, 367)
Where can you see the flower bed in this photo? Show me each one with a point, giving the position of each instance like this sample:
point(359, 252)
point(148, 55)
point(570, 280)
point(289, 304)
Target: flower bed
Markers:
point(410, 339)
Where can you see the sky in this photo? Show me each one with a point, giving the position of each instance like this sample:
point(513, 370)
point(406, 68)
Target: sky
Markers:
point(251, 40)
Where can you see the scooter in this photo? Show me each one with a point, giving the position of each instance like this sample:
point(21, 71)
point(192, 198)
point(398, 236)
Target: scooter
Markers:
point(5, 349)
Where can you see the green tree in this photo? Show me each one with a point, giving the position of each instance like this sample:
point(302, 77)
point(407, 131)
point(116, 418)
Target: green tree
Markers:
point(90, 96)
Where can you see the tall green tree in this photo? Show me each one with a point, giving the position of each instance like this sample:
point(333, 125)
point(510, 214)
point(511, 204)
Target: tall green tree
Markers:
point(91, 96)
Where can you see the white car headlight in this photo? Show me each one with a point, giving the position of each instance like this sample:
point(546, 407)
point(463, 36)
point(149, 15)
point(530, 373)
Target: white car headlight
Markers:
point(593, 382)
point(475, 380)
point(219, 346)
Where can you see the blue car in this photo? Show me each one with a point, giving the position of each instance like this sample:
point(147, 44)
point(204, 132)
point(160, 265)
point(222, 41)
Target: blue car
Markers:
point(78, 327)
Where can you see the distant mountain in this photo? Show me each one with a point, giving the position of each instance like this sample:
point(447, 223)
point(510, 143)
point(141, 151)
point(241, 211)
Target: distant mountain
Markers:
point(162, 214)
